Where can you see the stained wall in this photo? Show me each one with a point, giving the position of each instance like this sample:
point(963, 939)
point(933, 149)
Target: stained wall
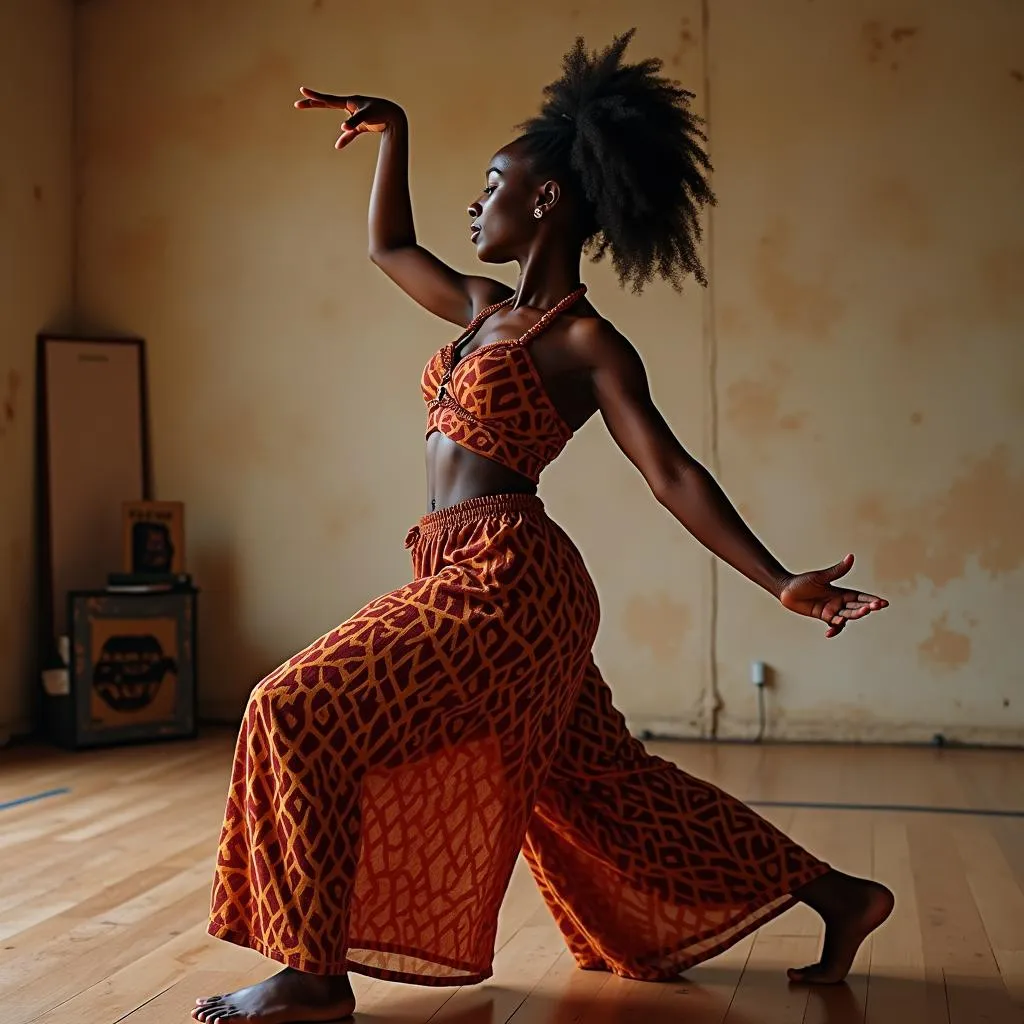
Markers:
point(36, 284)
point(853, 375)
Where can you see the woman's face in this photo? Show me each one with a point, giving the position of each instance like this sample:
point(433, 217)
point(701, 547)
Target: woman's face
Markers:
point(502, 219)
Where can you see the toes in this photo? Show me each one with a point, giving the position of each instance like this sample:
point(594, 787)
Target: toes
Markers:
point(207, 1014)
point(804, 974)
point(208, 1000)
point(816, 974)
point(211, 1014)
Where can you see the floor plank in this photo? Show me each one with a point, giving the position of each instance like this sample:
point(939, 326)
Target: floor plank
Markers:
point(104, 892)
point(956, 947)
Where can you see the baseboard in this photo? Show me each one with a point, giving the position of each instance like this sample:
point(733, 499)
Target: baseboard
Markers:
point(221, 712)
point(836, 731)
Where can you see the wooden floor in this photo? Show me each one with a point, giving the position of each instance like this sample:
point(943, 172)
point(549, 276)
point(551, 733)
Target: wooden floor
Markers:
point(104, 891)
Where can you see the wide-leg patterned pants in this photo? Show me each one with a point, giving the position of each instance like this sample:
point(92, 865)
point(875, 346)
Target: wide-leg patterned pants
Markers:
point(386, 777)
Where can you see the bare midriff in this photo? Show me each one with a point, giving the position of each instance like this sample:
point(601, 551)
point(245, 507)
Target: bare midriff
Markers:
point(455, 474)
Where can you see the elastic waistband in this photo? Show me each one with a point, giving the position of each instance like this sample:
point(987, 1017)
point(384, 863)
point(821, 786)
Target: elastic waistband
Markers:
point(472, 510)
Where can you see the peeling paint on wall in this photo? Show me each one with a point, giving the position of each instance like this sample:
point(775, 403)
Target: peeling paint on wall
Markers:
point(805, 305)
point(753, 406)
point(9, 407)
point(886, 43)
point(849, 244)
point(976, 517)
point(36, 50)
point(945, 648)
point(659, 623)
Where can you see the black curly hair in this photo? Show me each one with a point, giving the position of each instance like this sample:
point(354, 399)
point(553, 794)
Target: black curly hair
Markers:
point(627, 139)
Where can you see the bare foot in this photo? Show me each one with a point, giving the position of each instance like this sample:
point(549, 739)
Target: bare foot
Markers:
point(852, 909)
point(286, 998)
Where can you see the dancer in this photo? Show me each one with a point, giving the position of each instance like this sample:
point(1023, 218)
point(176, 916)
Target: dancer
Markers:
point(386, 777)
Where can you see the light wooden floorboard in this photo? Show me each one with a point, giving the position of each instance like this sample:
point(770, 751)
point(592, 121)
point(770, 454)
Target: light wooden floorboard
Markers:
point(104, 892)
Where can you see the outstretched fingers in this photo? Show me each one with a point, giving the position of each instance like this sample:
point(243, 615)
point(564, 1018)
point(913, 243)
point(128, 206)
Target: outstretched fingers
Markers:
point(312, 100)
point(846, 607)
point(852, 605)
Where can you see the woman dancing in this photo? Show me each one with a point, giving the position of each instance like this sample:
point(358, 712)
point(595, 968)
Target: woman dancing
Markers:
point(386, 777)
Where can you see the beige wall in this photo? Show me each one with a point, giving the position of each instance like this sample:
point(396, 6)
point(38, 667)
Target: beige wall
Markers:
point(854, 373)
point(36, 254)
point(869, 307)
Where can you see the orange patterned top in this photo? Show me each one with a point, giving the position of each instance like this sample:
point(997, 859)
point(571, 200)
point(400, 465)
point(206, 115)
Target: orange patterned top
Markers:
point(493, 402)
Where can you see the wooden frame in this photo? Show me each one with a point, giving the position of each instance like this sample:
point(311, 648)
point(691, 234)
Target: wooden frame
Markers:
point(92, 455)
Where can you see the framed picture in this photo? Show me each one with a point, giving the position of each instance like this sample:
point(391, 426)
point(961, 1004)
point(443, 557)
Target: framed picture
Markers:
point(154, 536)
point(132, 671)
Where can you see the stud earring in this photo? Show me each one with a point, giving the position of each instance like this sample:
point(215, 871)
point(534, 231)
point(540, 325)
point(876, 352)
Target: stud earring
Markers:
point(538, 213)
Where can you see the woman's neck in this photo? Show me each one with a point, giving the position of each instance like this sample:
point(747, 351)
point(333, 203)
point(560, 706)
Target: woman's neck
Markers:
point(546, 276)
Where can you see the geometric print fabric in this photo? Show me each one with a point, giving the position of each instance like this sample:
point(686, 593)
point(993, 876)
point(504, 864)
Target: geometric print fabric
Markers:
point(492, 400)
point(386, 777)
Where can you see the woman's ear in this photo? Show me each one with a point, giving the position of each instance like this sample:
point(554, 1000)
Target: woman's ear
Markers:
point(551, 192)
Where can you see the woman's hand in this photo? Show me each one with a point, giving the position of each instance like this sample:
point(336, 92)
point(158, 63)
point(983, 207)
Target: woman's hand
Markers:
point(368, 113)
point(812, 594)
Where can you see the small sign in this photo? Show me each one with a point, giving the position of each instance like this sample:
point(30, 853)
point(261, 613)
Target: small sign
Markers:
point(154, 536)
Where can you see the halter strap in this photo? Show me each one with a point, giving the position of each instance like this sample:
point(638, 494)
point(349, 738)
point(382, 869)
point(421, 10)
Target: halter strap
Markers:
point(482, 316)
point(560, 307)
point(570, 300)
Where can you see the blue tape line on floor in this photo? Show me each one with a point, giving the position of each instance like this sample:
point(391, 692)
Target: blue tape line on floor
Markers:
point(906, 809)
point(30, 799)
point(799, 805)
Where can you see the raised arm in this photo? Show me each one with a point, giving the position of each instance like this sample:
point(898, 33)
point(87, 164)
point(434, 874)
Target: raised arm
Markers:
point(392, 243)
point(692, 495)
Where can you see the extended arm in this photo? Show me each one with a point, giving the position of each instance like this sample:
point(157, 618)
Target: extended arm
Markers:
point(692, 495)
point(392, 234)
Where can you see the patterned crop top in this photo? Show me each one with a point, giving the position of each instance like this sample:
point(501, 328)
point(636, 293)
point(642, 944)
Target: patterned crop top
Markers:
point(493, 402)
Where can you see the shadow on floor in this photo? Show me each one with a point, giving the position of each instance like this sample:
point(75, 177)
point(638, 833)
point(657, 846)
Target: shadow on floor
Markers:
point(761, 996)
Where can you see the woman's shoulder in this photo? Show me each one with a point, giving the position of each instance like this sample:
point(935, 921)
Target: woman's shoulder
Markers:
point(594, 338)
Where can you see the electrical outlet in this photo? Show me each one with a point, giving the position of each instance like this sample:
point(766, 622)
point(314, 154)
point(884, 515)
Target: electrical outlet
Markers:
point(758, 673)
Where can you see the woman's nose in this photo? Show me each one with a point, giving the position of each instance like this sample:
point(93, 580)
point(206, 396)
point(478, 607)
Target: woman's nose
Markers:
point(473, 210)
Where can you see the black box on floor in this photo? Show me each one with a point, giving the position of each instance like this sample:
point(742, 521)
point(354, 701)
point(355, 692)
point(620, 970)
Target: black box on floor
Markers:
point(131, 672)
